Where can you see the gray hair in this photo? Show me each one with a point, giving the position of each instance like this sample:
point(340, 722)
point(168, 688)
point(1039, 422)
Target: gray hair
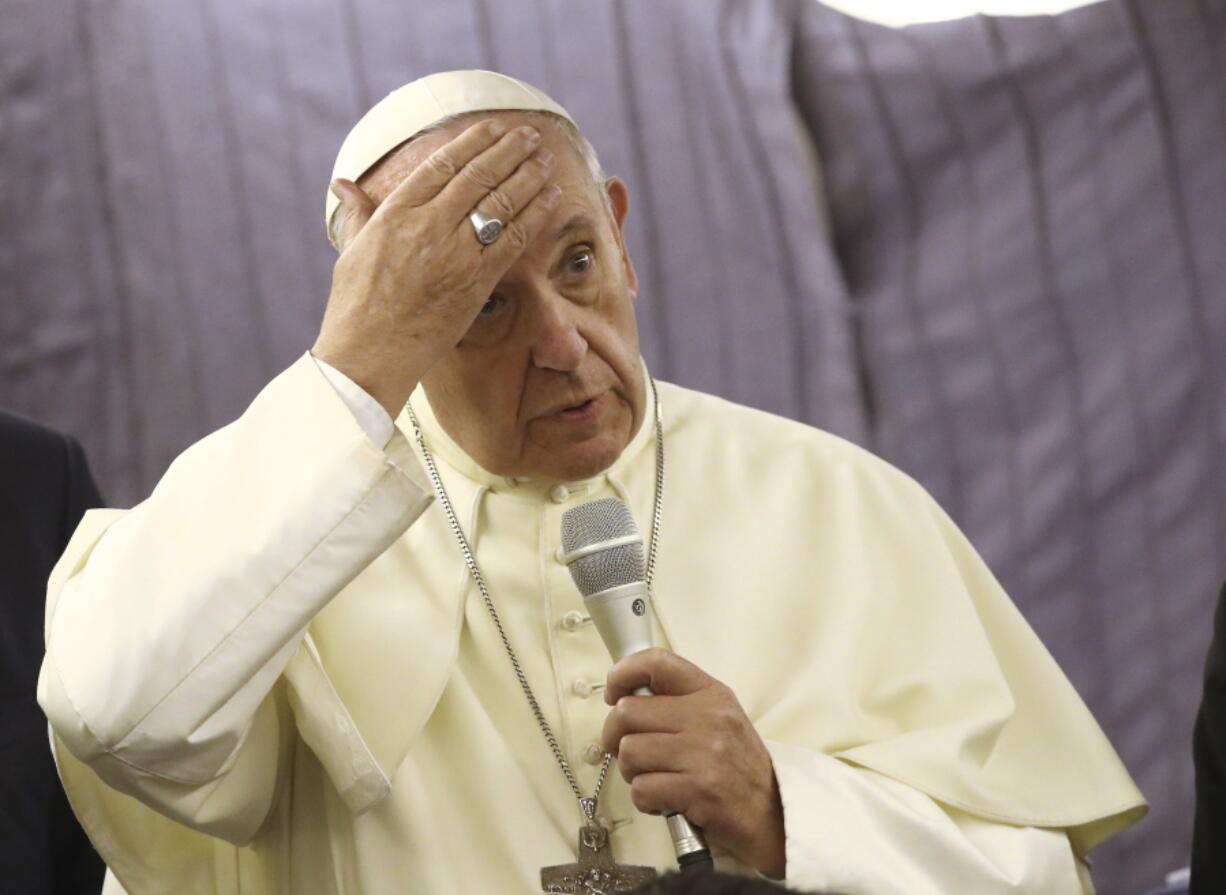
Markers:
point(569, 129)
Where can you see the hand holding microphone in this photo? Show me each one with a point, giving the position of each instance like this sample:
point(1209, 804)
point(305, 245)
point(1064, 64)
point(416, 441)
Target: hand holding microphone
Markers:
point(688, 751)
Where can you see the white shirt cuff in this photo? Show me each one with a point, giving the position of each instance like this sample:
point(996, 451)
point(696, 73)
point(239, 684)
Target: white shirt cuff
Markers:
point(376, 422)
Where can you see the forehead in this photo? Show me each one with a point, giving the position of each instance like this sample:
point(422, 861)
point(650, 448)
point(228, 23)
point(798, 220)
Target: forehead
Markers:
point(570, 169)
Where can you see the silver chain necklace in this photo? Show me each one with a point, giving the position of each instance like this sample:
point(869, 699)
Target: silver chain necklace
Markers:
point(596, 871)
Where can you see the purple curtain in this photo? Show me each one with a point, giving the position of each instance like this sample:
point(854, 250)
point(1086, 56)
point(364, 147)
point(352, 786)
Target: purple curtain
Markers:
point(989, 250)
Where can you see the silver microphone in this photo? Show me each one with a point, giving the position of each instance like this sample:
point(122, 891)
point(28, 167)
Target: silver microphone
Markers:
point(602, 548)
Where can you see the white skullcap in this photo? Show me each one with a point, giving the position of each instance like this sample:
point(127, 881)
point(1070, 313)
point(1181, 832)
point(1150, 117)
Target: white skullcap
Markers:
point(408, 110)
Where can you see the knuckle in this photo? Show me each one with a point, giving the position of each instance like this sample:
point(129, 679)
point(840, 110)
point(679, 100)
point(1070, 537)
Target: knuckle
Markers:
point(732, 719)
point(629, 759)
point(711, 788)
point(639, 796)
point(723, 708)
point(482, 176)
point(442, 163)
point(721, 716)
point(617, 715)
point(658, 657)
point(516, 236)
point(499, 204)
point(709, 783)
point(626, 752)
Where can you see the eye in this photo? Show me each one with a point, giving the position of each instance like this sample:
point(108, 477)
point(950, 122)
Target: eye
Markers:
point(492, 306)
point(580, 262)
point(494, 320)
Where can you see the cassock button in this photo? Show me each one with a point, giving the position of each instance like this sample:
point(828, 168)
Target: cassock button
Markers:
point(574, 620)
point(559, 493)
point(593, 753)
point(584, 688)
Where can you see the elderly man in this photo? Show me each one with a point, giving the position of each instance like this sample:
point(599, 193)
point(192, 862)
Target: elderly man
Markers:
point(336, 649)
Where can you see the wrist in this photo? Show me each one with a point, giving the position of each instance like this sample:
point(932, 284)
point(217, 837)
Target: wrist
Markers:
point(389, 388)
point(770, 848)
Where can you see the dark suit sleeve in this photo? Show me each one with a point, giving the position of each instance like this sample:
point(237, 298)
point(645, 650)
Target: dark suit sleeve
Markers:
point(78, 868)
point(45, 489)
point(81, 492)
point(1209, 754)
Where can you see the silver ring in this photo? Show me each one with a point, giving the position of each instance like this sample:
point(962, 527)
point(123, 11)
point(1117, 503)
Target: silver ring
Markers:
point(488, 228)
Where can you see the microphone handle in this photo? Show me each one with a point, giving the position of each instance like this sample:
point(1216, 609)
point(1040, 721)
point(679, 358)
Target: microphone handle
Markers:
point(620, 614)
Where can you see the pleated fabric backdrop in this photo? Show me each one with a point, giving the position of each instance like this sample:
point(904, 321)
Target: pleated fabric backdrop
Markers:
point(990, 250)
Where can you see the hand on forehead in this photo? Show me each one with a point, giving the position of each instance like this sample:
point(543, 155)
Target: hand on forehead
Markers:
point(390, 171)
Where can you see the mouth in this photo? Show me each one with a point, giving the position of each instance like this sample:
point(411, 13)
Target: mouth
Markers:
point(576, 412)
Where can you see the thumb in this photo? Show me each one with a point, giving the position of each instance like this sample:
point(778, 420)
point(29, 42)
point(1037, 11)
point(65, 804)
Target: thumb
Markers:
point(356, 206)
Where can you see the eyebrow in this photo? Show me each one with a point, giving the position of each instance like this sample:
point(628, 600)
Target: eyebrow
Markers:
point(578, 222)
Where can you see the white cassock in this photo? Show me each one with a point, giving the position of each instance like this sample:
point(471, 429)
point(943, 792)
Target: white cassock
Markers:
point(275, 675)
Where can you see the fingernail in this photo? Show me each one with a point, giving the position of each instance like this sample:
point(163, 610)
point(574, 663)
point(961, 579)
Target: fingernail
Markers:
point(531, 134)
point(545, 156)
point(497, 128)
point(552, 192)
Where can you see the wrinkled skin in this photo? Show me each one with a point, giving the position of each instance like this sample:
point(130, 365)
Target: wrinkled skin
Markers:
point(506, 339)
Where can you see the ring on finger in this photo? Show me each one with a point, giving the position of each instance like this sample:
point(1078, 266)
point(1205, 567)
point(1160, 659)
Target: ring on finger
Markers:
point(488, 228)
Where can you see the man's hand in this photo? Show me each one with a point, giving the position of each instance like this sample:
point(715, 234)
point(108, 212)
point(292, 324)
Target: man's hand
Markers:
point(412, 275)
point(690, 749)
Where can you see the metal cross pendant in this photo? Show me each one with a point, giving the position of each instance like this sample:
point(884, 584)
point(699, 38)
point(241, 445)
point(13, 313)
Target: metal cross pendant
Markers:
point(596, 873)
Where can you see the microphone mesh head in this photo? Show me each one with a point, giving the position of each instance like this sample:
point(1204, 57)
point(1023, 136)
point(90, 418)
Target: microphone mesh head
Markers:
point(593, 522)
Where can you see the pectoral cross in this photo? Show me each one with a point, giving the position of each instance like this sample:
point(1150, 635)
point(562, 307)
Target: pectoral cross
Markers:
point(596, 873)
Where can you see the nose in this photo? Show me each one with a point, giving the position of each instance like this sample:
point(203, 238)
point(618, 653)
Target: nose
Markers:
point(557, 343)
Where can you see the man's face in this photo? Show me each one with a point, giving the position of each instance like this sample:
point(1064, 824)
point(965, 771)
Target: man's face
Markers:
point(547, 382)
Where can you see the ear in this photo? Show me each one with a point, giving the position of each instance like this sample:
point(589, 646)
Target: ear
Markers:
point(619, 204)
point(355, 210)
